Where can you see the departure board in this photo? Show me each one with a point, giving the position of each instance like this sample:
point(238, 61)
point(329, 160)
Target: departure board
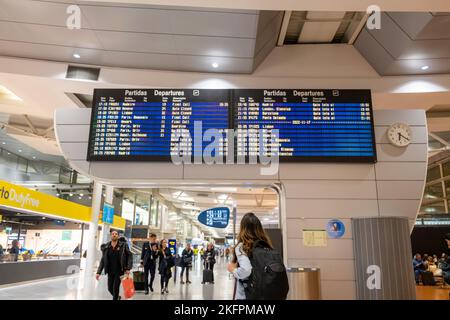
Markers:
point(313, 125)
point(139, 124)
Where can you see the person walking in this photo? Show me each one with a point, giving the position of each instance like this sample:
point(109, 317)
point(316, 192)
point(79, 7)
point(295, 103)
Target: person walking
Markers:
point(165, 265)
point(251, 256)
point(186, 262)
point(116, 261)
point(209, 259)
point(149, 256)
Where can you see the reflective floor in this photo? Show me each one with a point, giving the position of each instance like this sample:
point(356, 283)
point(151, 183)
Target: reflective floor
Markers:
point(75, 287)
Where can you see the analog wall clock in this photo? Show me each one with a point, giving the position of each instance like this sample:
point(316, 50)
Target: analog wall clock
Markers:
point(399, 134)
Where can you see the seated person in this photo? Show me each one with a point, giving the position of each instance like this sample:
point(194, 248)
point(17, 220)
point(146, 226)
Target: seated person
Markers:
point(445, 264)
point(419, 267)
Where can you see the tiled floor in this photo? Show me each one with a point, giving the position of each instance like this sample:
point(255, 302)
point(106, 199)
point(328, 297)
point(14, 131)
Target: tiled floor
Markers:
point(71, 287)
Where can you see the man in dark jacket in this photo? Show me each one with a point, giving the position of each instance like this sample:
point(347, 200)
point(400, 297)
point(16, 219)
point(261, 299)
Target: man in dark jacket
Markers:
point(148, 260)
point(117, 260)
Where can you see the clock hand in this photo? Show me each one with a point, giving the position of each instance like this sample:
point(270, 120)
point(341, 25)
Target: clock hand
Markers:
point(402, 136)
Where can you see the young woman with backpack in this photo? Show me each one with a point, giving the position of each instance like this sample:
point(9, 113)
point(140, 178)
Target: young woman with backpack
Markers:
point(258, 268)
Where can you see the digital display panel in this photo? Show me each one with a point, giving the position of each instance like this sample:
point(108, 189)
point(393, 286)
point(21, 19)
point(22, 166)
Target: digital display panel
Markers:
point(139, 124)
point(313, 125)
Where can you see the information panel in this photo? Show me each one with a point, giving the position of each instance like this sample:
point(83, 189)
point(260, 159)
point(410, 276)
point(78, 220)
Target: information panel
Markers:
point(313, 125)
point(139, 124)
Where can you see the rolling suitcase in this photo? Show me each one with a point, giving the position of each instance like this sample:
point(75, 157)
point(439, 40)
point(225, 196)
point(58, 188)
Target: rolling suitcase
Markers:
point(139, 280)
point(208, 275)
point(428, 278)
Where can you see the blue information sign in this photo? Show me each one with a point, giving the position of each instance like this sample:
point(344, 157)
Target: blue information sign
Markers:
point(108, 213)
point(215, 217)
point(335, 228)
point(173, 246)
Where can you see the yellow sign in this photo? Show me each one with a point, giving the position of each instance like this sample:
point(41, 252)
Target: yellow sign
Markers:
point(1, 218)
point(20, 198)
point(314, 238)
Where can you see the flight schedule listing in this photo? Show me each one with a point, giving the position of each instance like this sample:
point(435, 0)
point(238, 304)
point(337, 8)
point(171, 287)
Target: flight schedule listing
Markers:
point(311, 124)
point(131, 124)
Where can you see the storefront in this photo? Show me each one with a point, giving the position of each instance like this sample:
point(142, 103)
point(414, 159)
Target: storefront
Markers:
point(46, 232)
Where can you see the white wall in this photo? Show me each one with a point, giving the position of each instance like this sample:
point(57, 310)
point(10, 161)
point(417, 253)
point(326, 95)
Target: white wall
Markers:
point(313, 193)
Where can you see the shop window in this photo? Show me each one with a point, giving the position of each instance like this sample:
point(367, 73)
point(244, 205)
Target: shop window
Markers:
point(141, 217)
point(433, 173)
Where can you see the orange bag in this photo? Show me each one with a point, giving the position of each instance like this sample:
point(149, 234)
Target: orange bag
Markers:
point(128, 287)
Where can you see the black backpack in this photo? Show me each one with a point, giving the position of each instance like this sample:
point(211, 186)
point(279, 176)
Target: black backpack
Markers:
point(268, 280)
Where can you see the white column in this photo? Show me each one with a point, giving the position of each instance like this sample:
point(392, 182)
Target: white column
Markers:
point(91, 243)
point(109, 195)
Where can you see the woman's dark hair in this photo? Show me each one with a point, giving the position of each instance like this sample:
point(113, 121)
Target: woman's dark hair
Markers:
point(251, 230)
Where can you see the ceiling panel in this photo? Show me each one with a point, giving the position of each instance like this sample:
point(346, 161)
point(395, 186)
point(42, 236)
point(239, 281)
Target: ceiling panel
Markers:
point(171, 21)
point(438, 28)
point(147, 37)
point(399, 49)
point(214, 46)
point(136, 42)
point(318, 32)
point(51, 13)
point(48, 35)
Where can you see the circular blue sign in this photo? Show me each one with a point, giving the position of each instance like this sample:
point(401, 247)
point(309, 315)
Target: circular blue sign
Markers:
point(335, 228)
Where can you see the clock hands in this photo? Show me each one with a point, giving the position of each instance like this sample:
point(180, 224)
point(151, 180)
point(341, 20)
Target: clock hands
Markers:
point(400, 136)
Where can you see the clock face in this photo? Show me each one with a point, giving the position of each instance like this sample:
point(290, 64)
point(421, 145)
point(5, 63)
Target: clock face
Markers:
point(399, 134)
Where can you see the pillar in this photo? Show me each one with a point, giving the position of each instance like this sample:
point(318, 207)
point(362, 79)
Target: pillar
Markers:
point(109, 196)
point(383, 259)
point(91, 243)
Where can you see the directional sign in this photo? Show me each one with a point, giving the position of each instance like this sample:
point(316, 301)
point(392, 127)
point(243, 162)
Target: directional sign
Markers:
point(108, 213)
point(215, 217)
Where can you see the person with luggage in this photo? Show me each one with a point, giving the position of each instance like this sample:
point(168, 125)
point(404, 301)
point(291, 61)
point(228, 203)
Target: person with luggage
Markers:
point(165, 265)
point(116, 261)
point(209, 260)
point(255, 261)
point(186, 262)
point(149, 256)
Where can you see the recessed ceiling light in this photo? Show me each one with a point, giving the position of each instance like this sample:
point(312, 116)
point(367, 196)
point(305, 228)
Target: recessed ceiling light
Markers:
point(71, 194)
point(34, 157)
point(76, 56)
point(425, 67)
point(20, 150)
point(215, 65)
point(57, 194)
point(3, 142)
point(81, 194)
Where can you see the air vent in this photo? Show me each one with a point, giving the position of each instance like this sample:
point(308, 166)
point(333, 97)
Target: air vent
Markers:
point(202, 194)
point(82, 73)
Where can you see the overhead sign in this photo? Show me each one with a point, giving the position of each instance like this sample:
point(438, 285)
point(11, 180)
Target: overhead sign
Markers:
point(335, 228)
point(26, 200)
point(320, 125)
point(215, 217)
point(108, 213)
